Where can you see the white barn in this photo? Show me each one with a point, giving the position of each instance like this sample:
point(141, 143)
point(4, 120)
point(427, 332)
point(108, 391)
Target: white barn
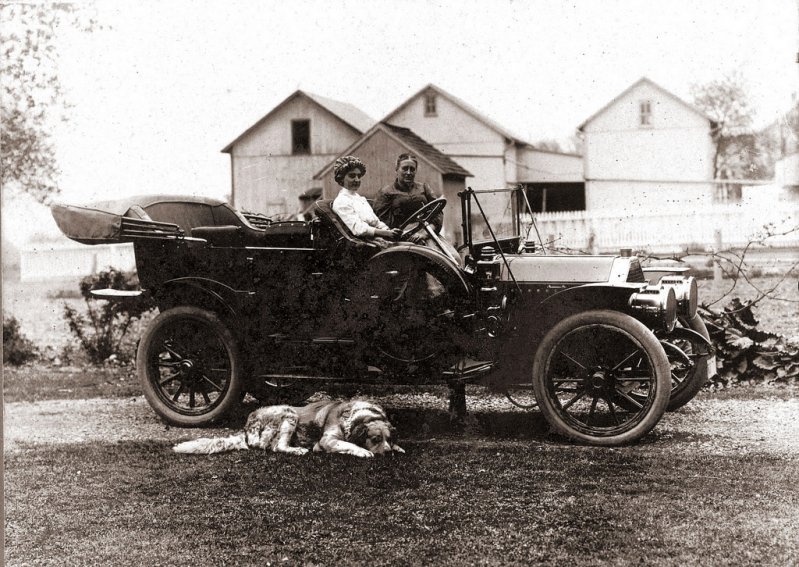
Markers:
point(494, 155)
point(273, 162)
point(645, 150)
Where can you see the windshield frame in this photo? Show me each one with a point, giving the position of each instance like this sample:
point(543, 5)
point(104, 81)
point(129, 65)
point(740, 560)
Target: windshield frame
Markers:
point(470, 201)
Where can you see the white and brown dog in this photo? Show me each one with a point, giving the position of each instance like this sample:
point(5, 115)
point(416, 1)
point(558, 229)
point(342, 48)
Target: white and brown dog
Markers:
point(356, 427)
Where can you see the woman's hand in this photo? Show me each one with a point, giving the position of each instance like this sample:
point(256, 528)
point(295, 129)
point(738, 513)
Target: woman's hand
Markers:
point(393, 234)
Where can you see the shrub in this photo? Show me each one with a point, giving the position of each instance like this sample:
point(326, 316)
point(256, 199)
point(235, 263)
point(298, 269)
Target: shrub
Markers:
point(102, 327)
point(17, 348)
point(744, 352)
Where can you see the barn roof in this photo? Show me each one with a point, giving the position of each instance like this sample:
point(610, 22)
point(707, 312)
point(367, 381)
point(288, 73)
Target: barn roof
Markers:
point(411, 141)
point(641, 81)
point(347, 113)
point(463, 106)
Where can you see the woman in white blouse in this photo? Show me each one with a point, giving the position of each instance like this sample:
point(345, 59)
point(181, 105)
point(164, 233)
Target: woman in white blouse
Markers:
point(352, 208)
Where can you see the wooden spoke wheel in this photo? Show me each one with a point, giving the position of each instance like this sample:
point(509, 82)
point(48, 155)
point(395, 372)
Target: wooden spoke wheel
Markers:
point(601, 377)
point(188, 366)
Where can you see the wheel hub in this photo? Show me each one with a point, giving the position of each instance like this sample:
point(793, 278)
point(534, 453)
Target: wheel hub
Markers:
point(600, 380)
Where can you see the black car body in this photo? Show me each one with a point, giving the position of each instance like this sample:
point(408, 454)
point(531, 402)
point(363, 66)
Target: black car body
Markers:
point(276, 308)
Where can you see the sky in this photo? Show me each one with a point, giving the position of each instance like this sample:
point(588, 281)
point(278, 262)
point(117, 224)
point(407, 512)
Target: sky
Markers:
point(161, 87)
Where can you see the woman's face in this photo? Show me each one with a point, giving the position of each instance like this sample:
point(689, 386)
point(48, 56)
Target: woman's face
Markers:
point(406, 172)
point(352, 180)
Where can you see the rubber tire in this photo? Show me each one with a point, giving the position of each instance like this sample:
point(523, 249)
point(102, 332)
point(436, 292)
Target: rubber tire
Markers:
point(639, 333)
point(233, 395)
point(690, 387)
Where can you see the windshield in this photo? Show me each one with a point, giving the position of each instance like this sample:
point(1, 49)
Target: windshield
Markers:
point(502, 207)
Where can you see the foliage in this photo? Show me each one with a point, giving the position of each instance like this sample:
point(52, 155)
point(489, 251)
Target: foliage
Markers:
point(101, 329)
point(31, 97)
point(784, 132)
point(17, 348)
point(746, 353)
point(740, 153)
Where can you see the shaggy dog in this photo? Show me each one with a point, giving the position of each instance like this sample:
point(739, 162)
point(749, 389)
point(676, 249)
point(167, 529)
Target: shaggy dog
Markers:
point(357, 428)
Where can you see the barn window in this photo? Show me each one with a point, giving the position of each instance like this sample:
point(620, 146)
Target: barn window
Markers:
point(646, 113)
point(300, 136)
point(430, 104)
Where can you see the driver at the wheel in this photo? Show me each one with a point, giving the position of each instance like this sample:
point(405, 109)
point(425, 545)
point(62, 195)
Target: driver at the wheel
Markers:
point(399, 200)
point(352, 208)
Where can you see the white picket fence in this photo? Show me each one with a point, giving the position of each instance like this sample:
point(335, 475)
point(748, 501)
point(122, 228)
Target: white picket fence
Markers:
point(730, 226)
point(56, 260)
point(726, 226)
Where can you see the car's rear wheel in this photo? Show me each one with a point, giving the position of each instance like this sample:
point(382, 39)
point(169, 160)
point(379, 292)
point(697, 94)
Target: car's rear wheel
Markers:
point(601, 377)
point(189, 367)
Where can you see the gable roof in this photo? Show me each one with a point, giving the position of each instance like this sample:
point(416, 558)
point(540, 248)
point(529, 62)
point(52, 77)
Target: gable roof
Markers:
point(351, 116)
point(405, 137)
point(641, 81)
point(463, 106)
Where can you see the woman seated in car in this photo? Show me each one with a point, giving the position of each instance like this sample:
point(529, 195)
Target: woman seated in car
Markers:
point(353, 209)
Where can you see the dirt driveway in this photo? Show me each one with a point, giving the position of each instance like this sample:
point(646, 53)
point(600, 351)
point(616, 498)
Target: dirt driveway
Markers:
point(711, 423)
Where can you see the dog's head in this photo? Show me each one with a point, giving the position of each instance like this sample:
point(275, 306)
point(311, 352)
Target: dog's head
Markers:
point(371, 429)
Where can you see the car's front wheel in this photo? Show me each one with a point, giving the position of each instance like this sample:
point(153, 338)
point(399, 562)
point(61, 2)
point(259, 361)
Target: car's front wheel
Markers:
point(189, 367)
point(688, 357)
point(601, 377)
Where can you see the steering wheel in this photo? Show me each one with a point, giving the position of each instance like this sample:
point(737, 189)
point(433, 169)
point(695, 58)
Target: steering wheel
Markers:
point(422, 217)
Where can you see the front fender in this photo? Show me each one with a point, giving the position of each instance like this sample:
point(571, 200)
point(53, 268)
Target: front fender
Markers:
point(530, 320)
point(585, 297)
point(687, 334)
point(453, 278)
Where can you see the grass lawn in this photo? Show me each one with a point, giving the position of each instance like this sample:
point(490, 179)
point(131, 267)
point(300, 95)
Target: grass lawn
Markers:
point(449, 501)
point(706, 487)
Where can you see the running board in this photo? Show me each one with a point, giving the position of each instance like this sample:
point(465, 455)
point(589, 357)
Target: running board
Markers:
point(283, 338)
point(467, 370)
point(273, 378)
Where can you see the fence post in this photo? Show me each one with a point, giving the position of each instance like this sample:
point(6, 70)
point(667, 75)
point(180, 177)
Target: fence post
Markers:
point(716, 249)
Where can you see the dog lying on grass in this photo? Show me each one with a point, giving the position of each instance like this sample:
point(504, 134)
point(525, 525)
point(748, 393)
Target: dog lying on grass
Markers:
point(356, 427)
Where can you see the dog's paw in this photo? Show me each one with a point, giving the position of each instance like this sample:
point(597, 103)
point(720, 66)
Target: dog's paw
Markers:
point(397, 449)
point(299, 450)
point(364, 453)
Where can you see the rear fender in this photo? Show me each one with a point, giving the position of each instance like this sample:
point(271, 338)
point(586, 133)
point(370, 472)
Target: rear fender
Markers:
point(200, 292)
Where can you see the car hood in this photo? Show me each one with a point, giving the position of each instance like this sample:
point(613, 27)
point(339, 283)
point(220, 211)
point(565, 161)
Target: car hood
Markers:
point(534, 268)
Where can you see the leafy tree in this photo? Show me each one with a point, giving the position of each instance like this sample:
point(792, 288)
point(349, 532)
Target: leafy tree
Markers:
point(31, 97)
point(785, 132)
point(739, 153)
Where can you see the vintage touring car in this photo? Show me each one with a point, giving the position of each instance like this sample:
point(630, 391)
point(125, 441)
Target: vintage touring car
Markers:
point(274, 309)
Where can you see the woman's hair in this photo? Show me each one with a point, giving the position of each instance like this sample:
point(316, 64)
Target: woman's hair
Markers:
point(346, 164)
point(403, 157)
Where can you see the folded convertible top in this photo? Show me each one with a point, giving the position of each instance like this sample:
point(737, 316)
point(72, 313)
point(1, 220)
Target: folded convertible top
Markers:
point(110, 222)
